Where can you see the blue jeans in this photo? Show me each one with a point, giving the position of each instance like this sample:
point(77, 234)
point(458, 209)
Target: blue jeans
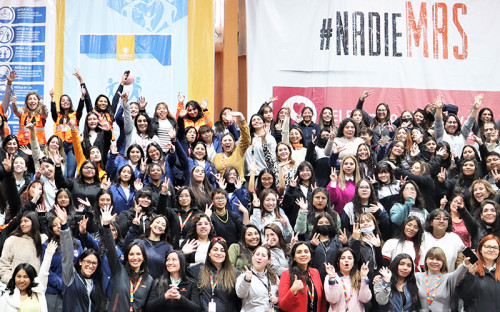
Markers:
point(70, 160)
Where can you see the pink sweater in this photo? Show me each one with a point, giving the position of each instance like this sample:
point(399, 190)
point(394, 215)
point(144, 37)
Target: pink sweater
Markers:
point(340, 197)
point(335, 295)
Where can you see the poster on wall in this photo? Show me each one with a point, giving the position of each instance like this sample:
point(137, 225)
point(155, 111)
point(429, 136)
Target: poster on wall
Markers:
point(27, 45)
point(326, 53)
point(103, 39)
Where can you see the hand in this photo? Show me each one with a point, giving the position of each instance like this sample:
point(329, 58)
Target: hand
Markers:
point(477, 100)
point(372, 179)
point(283, 164)
point(137, 219)
point(338, 148)
point(208, 210)
point(7, 162)
point(57, 158)
point(255, 201)
point(104, 125)
point(294, 239)
point(271, 99)
point(26, 150)
point(61, 214)
point(373, 239)
point(172, 133)
point(222, 182)
point(82, 225)
point(374, 208)
point(253, 166)
point(473, 268)
point(78, 75)
point(414, 151)
point(386, 274)
point(106, 216)
point(284, 220)
point(366, 94)
point(137, 208)
point(144, 165)
point(72, 125)
point(356, 232)
point(297, 285)
point(85, 202)
point(495, 175)
point(124, 96)
point(37, 193)
point(41, 208)
point(315, 239)
point(332, 134)
point(438, 101)
point(81, 208)
point(181, 97)
point(273, 299)
point(293, 181)
point(441, 152)
point(11, 77)
point(164, 185)
point(238, 183)
point(51, 247)
point(42, 103)
point(333, 175)
point(172, 293)
point(142, 103)
point(443, 202)
point(248, 274)
point(113, 149)
point(241, 208)
point(237, 116)
point(364, 270)
point(343, 236)
point(52, 93)
point(190, 246)
point(377, 279)
point(204, 103)
point(402, 180)
point(301, 203)
point(106, 183)
point(330, 270)
point(476, 139)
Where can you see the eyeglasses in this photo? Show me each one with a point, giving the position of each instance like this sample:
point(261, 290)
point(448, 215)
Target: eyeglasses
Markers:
point(495, 248)
point(88, 168)
point(219, 198)
point(364, 187)
point(452, 122)
point(90, 263)
point(267, 179)
point(441, 219)
point(218, 239)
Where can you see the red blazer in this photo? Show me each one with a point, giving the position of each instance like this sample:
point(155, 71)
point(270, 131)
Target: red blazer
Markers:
point(290, 303)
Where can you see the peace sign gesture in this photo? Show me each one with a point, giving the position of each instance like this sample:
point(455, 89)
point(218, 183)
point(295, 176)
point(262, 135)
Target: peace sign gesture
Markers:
point(365, 270)
point(293, 181)
point(295, 238)
point(402, 180)
point(372, 179)
point(333, 175)
point(208, 210)
point(315, 239)
point(343, 236)
point(137, 219)
point(164, 185)
point(330, 270)
point(7, 162)
point(366, 94)
point(495, 175)
point(356, 231)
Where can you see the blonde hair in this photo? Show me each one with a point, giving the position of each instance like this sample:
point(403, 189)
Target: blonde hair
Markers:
point(341, 179)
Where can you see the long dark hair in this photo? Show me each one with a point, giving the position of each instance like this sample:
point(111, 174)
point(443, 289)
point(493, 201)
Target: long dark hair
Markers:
point(333, 224)
point(250, 126)
point(417, 239)
point(281, 240)
point(150, 132)
point(165, 237)
point(340, 130)
point(192, 234)
point(97, 275)
point(129, 149)
point(196, 106)
point(34, 233)
point(86, 128)
point(300, 167)
point(118, 179)
point(226, 275)
point(201, 197)
point(30, 271)
point(259, 180)
point(295, 270)
point(143, 270)
point(244, 249)
point(311, 211)
point(80, 178)
point(411, 282)
point(158, 147)
point(356, 200)
point(162, 283)
point(108, 108)
point(419, 201)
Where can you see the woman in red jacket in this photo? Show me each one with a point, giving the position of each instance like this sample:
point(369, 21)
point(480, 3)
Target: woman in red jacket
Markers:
point(300, 288)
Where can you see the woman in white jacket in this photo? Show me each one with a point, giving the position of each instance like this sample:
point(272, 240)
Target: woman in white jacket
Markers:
point(25, 290)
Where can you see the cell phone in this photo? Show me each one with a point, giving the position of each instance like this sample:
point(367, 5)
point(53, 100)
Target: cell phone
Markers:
point(127, 72)
point(467, 252)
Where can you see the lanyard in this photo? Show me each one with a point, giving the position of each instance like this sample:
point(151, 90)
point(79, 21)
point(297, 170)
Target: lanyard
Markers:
point(430, 299)
point(224, 160)
point(213, 284)
point(268, 286)
point(346, 298)
point(311, 292)
point(183, 223)
point(133, 289)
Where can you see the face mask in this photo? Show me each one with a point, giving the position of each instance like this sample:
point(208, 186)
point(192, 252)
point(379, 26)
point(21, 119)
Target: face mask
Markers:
point(368, 230)
point(322, 142)
point(324, 229)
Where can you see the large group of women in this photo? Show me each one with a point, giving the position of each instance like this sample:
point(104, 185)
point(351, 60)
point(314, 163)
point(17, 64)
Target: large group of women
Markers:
point(176, 212)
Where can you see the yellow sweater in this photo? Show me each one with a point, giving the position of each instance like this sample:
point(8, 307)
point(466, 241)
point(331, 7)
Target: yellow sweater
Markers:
point(80, 157)
point(237, 158)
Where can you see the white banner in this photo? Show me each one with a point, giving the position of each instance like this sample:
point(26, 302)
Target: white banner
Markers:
point(329, 51)
point(27, 45)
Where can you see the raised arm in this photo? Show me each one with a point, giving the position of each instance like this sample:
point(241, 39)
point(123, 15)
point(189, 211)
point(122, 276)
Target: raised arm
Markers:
point(8, 91)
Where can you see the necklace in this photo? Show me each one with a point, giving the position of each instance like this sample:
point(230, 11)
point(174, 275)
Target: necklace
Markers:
point(226, 214)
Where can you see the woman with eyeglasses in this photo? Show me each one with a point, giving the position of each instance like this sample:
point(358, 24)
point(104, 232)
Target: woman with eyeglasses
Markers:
point(437, 282)
point(195, 246)
point(216, 279)
point(301, 288)
point(174, 290)
point(257, 286)
point(83, 280)
point(439, 233)
point(480, 286)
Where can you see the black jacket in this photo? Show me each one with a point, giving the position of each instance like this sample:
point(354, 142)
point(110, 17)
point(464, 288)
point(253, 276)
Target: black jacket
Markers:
point(480, 293)
point(189, 301)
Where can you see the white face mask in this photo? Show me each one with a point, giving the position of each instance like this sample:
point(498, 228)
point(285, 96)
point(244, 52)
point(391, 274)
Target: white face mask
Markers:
point(368, 230)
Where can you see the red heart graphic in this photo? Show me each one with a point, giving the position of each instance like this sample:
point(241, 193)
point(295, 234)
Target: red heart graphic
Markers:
point(298, 107)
